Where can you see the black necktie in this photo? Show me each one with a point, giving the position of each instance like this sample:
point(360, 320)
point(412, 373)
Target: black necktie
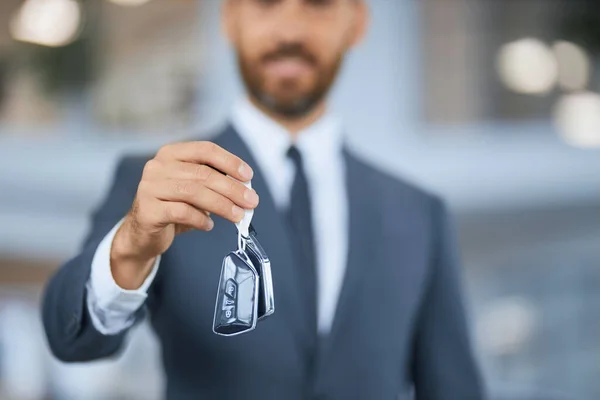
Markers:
point(301, 234)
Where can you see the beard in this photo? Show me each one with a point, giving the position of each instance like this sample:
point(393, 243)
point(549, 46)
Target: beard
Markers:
point(288, 98)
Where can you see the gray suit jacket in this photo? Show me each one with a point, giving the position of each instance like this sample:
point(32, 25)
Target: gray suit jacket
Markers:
point(400, 322)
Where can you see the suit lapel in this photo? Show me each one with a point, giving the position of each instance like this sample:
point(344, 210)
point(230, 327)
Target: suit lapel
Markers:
point(273, 236)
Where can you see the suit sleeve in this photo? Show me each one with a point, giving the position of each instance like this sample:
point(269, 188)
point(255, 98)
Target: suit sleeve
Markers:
point(444, 366)
point(71, 335)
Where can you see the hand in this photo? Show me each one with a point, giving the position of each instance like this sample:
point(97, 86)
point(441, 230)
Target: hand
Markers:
point(180, 187)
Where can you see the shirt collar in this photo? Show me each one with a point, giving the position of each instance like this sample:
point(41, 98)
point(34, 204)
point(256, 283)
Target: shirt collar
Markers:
point(266, 138)
point(320, 144)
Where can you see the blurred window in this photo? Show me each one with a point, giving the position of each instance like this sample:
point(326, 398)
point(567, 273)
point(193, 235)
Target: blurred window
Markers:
point(126, 66)
point(506, 60)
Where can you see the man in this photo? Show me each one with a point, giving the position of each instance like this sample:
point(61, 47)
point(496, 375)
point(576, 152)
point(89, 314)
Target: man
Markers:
point(368, 302)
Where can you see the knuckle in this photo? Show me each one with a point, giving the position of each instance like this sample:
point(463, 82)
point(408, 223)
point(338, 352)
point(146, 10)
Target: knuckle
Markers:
point(203, 173)
point(178, 212)
point(229, 160)
point(150, 167)
point(231, 187)
point(223, 206)
point(211, 147)
point(205, 147)
point(184, 188)
point(214, 152)
point(165, 151)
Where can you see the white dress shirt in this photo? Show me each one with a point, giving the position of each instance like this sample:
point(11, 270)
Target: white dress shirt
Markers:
point(112, 308)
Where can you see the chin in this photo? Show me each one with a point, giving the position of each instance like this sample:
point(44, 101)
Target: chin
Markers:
point(289, 106)
point(289, 100)
point(289, 94)
point(284, 85)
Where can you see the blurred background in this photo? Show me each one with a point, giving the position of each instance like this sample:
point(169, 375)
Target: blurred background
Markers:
point(493, 104)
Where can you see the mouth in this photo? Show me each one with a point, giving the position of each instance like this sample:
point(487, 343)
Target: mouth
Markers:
point(288, 67)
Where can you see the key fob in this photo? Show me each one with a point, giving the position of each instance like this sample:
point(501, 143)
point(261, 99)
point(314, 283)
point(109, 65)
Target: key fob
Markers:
point(236, 308)
point(260, 260)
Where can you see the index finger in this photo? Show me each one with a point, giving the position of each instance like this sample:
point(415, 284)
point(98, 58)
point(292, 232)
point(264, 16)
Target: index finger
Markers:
point(208, 153)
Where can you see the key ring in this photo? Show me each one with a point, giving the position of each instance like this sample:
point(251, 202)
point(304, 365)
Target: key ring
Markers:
point(244, 225)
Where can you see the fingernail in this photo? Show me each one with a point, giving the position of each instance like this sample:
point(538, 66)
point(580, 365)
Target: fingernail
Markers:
point(246, 172)
point(210, 224)
point(251, 196)
point(238, 213)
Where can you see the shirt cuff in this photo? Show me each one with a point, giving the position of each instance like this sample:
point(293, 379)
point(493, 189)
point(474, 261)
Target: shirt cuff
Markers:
point(112, 308)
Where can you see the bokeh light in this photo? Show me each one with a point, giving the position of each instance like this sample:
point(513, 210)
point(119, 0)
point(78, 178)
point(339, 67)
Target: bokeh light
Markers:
point(577, 117)
point(52, 23)
point(573, 65)
point(506, 325)
point(527, 66)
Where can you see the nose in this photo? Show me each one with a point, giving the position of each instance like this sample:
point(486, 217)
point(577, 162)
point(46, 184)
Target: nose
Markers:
point(293, 21)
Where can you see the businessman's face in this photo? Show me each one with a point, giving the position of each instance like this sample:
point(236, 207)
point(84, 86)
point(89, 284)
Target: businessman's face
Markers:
point(290, 51)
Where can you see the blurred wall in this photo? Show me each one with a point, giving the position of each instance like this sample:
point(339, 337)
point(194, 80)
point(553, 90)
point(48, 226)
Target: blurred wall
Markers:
point(476, 164)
